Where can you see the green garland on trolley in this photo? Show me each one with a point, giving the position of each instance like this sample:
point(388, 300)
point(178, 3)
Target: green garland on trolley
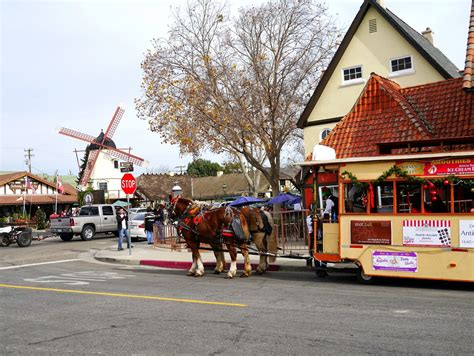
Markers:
point(397, 171)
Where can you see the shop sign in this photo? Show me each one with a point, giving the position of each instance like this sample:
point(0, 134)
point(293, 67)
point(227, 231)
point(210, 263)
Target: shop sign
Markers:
point(412, 168)
point(395, 261)
point(371, 232)
point(427, 233)
point(444, 167)
point(466, 233)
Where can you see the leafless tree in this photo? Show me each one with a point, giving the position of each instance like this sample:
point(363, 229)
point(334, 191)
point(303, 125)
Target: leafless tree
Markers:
point(237, 85)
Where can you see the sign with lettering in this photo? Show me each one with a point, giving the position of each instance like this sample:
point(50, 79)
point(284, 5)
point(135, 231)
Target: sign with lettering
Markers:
point(466, 233)
point(395, 261)
point(427, 233)
point(371, 232)
point(444, 167)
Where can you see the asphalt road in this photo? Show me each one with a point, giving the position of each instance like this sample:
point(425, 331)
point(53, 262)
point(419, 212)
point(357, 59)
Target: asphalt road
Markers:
point(80, 306)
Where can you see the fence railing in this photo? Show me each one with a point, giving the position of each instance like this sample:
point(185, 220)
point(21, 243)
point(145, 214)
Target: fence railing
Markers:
point(289, 226)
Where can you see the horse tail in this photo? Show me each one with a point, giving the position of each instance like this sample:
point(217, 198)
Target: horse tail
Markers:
point(245, 226)
point(272, 244)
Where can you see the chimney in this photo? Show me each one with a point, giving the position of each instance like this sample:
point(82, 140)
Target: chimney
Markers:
point(428, 34)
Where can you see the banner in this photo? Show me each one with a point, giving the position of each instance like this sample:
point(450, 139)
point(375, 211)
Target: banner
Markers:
point(427, 233)
point(466, 233)
point(445, 167)
point(395, 261)
point(371, 232)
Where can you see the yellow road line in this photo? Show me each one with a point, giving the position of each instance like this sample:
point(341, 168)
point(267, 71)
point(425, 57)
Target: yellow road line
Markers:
point(122, 295)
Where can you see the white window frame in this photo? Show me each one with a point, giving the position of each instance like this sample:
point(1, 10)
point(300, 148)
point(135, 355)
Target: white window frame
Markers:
point(321, 133)
point(106, 183)
point(356, 81)
point(403, 72)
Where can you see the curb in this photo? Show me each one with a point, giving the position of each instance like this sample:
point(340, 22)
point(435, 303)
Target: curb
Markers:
point(207, 265)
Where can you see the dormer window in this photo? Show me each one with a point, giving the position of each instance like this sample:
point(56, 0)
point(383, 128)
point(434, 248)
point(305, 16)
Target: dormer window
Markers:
point(352, 75)
point(401, 66)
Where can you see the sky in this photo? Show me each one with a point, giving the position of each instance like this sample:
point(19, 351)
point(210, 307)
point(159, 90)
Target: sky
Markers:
point(70, 63)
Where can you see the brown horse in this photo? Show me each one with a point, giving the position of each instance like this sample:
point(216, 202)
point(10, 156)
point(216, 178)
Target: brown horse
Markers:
point(264, 240)
point(214, 227)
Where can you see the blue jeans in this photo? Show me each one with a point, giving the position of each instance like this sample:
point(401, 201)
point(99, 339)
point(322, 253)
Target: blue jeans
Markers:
point(149, 236)
point(123, 233)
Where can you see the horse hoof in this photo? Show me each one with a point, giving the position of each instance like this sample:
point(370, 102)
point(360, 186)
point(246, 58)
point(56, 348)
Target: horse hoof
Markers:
point(244, 275)
point(229, 276)
point(191, 274)
point(259, 271)
point(217, 272)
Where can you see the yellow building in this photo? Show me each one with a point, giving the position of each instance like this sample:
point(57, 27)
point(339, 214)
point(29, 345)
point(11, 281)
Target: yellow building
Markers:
point(377, 41)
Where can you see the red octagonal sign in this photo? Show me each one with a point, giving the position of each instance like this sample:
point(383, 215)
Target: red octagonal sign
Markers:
point(128, 183)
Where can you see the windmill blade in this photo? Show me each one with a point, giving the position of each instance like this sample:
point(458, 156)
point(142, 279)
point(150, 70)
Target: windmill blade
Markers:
point(93, 155)
point(127, 157)
point(76, 134)
point(114, 122)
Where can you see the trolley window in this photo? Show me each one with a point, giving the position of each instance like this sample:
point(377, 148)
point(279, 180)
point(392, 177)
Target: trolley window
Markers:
point(383, 198)
point(408, 198)
point(463, 198)
point(437, 200)
point(355, 198)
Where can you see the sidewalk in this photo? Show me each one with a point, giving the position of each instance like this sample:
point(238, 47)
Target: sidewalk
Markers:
point(146, 255)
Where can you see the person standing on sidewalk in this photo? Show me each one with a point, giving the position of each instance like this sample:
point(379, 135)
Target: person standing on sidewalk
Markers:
point(149, 220)
point(122, 225)
point(159, 218)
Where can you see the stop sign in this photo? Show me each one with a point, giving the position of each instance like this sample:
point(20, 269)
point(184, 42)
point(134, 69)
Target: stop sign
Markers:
point(128, 183)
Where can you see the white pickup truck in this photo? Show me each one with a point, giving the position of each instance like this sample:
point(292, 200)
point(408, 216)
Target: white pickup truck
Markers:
point(91, 219)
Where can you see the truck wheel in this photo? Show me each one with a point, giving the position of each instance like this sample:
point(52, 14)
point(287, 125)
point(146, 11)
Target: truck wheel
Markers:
point(24, 238)
point(66, 237)
point(4, 240)
point(88, 233)
point(363, 278)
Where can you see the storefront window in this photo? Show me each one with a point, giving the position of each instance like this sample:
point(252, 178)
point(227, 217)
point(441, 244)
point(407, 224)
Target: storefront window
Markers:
point(355, 196)
point(437, 200)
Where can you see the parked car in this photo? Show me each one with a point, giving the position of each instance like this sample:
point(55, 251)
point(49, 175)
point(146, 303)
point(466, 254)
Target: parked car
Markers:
point(137, 226)
point(133, 211)
point(91, 219)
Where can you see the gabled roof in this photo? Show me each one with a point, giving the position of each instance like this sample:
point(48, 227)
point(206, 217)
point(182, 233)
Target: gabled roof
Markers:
point(433, 55)
point(468, 79)
point(388, 114)
point(158, 187)
point(8, 177)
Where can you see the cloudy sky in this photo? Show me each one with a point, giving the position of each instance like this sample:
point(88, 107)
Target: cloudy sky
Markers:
point(70, 63)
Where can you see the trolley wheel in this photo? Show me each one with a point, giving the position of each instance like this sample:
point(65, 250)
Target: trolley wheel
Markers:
point(66, 236)
point(24, 238)
point(363, 278)
point(5, 240)
point(88, 233)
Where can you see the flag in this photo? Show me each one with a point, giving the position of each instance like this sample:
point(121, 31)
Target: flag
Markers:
point(29, 185)
point(59, 186)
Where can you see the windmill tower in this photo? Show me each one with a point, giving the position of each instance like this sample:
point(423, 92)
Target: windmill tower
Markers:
point(102, 168)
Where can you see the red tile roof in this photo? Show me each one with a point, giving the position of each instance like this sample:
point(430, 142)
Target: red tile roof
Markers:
point(386, 113)
point(468, 79)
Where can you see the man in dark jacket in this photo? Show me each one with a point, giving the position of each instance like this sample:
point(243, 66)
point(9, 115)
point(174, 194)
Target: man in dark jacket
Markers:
point(149, 220)
point(122, 225)
point(159, 218)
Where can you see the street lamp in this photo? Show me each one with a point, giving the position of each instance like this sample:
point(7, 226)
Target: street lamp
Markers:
point(176, 190)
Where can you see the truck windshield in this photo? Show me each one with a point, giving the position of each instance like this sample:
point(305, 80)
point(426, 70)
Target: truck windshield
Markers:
point(89, 211)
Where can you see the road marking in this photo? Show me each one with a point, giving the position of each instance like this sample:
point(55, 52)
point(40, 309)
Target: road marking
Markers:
point(39, 264)
point(79, 278)
point(123, 295)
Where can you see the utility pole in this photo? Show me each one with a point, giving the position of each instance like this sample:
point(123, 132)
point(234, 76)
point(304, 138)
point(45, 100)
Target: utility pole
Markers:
point(181, 169)
point(28, 156)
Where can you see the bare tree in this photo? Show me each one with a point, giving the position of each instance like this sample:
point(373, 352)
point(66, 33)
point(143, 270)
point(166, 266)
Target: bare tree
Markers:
point(237, 86)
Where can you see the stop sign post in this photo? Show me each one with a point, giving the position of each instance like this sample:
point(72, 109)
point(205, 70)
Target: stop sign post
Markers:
point(129, 185)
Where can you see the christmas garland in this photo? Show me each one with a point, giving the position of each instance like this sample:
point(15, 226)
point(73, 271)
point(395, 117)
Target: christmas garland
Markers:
point(397, 171)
